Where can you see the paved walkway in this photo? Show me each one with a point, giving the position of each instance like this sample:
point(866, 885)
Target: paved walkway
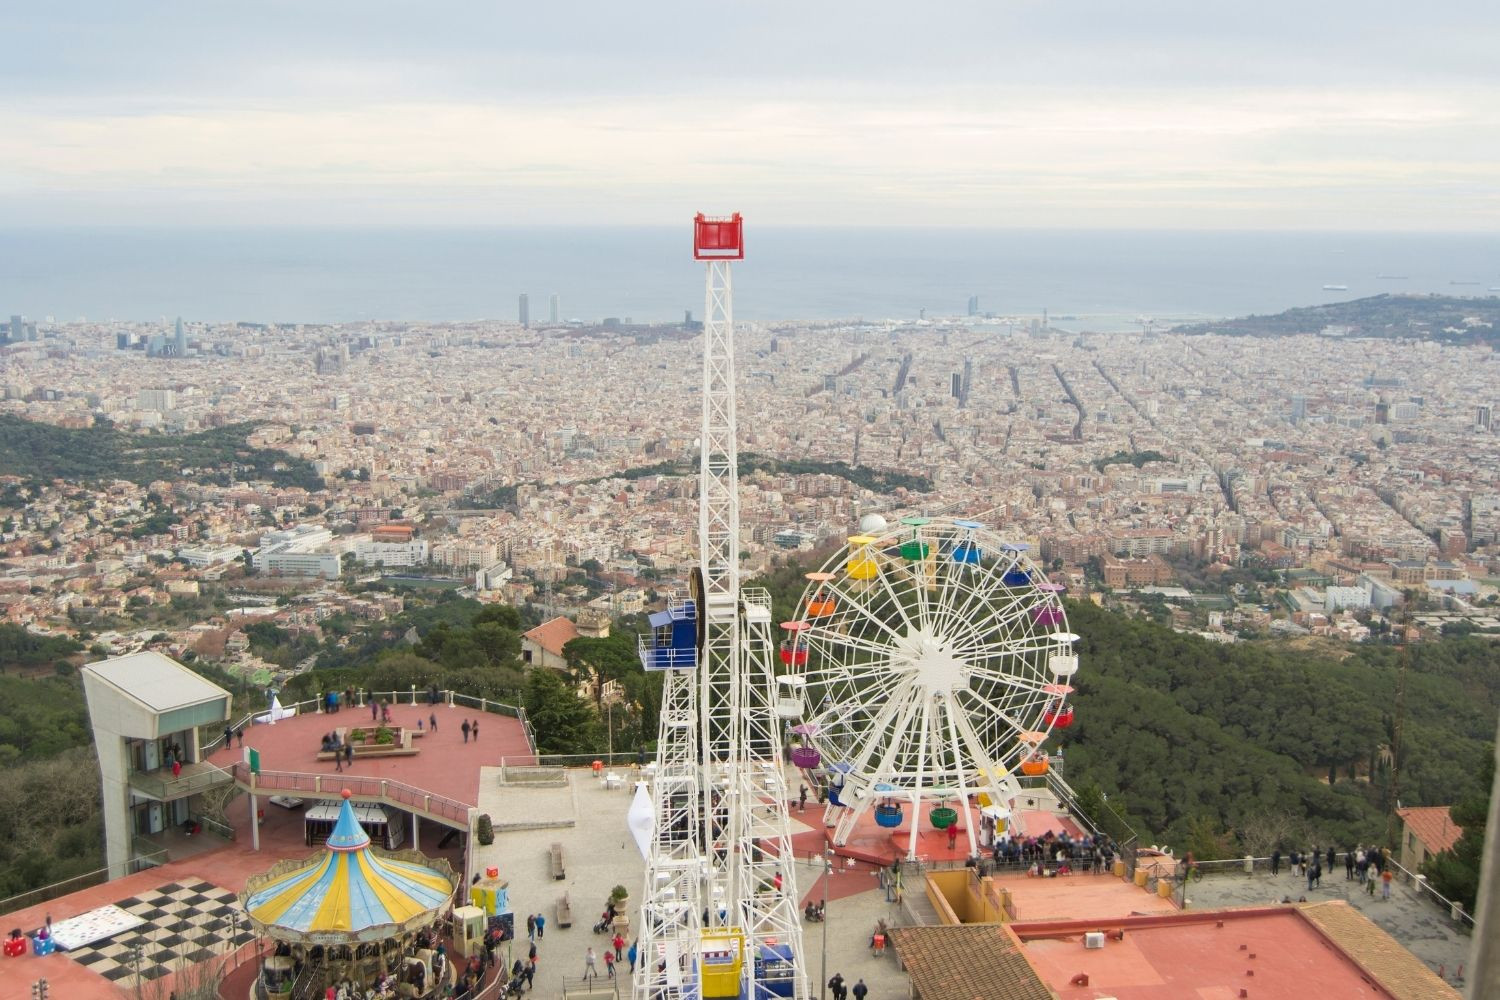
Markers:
point(599, 853)
point(1420, 925)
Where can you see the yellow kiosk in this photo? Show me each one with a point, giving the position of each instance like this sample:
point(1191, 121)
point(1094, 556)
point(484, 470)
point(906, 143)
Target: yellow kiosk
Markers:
point(721, 960)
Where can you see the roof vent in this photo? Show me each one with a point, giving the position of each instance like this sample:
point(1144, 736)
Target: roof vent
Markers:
point(1093, 939)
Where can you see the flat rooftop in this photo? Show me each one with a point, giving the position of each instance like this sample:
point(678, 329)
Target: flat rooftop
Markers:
point(156, 681)
point(446, 765)
point(1271, 952)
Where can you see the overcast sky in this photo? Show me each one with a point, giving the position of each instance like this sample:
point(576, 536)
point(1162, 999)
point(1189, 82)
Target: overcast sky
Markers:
point(1262, 114)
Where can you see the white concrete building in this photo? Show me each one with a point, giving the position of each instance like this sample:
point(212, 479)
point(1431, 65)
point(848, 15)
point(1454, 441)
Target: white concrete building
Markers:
point(140, 707)
point(388, 554)
point(1335, 598)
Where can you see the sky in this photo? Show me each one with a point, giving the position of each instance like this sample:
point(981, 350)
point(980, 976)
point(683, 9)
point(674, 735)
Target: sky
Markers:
point(1160, 114)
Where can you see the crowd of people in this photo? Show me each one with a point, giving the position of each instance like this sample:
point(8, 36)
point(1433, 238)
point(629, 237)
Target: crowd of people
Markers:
point(1369, 866)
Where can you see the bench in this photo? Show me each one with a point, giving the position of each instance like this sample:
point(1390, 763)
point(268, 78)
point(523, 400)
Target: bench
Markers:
point(564, 911)
point(555, 854)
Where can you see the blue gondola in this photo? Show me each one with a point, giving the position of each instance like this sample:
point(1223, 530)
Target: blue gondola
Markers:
point(888, 815)
point(672, 643)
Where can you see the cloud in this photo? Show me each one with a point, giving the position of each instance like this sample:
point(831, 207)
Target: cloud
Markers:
point(1012, 113)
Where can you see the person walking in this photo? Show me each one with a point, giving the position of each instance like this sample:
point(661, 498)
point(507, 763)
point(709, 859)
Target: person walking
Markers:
point(1332, 857)
point(541, 926)
point(374, 709)
point(861, 990)
point(619, 943)
point(952, 835)
point(631, 955)
point(338, 757)
point(802, 798)
point(465, 728)
point(609, 963)
point(531, 926)
point(1348, 866)
point(836, 985)
point(349, 755)
point(1276, 862)
point(432, 722)
point(531, 954)
point(239, 734)
point(1370, 881)
point(1386, 878)
point(474, 730)
point(228, 736)
point(589, 969)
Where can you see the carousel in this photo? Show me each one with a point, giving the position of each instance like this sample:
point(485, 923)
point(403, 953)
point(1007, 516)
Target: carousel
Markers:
point(351, 921)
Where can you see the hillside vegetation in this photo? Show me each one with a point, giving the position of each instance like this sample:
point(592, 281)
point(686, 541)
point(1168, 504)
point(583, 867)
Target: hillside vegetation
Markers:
point(36, 451)
point(1415, 316)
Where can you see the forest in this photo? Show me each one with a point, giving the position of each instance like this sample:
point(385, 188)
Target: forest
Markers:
point(40, 452)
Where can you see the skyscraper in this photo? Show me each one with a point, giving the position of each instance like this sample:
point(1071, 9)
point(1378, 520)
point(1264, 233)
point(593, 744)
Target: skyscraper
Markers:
point(1482, 417)
point(525, 310)
point(556, 307)
point(973, 305)
point(17, 328)
point(179, 341)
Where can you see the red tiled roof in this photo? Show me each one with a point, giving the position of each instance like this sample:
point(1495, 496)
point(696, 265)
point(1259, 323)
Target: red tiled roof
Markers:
point(1432, 825)
point(554, 635)
point(966, 962)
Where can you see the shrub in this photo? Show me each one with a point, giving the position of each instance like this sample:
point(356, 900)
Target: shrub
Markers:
point(356, 735)
point(484, 829)
point(384, 736)
point(618, 893)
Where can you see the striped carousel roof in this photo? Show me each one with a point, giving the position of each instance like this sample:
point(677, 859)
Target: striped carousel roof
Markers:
point(347, 891)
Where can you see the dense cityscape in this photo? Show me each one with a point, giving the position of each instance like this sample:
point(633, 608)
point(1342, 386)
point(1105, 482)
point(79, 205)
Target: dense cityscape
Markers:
point(1352, 477)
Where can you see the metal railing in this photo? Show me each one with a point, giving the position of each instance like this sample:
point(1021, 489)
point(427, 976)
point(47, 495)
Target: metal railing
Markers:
point(1229, 866)
point(398, 793)
point(160, 784)
point(411, 696)
point(576, 760)
point(42, 894)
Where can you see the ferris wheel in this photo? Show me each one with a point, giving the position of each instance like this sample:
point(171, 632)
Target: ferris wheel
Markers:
point(931, 660)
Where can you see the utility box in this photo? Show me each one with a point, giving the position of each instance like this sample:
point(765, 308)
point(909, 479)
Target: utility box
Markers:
point(1093, 939)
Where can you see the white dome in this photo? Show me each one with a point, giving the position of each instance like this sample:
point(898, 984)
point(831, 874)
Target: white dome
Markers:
point(872, 524)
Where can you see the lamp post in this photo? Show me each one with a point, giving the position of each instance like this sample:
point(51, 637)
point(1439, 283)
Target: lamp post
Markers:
point(827, 871)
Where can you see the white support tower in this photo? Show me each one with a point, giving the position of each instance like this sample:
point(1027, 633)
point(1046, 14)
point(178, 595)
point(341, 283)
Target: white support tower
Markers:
point(731, 861)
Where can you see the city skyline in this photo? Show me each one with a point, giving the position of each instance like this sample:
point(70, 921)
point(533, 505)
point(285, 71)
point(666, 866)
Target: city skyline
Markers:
point(1167, 115)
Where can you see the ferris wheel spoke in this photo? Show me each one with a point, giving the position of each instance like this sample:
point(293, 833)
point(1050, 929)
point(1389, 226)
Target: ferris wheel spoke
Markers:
point(1007, 721)
point(880, 651)
point(980, 596)
point(887, 730)
point(888, 572)
point(855, 610)
point(1013, 681)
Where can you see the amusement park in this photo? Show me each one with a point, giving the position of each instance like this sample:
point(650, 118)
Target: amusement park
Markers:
point(885, 768)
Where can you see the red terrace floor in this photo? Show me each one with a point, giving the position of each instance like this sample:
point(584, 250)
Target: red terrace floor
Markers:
point(880, 846)
point(446, 766)
point(1273, 954)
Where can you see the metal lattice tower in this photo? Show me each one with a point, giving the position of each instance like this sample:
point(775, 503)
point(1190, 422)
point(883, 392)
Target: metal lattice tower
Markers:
point(720, 878)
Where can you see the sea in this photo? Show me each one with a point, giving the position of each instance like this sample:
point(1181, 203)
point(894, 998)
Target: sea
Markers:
point(1101, 280)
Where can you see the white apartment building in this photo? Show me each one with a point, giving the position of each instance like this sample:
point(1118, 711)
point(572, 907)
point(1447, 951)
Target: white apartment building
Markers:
point(412, 553)
point(324, 564)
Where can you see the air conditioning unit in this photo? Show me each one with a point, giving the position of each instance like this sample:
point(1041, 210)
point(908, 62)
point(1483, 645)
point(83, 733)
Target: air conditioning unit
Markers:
point(1093, 939)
